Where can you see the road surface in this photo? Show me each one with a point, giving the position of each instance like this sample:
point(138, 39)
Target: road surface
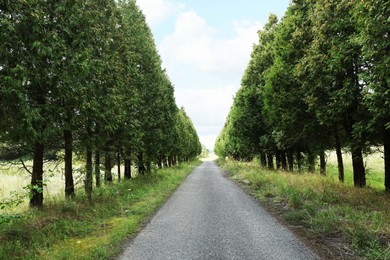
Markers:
point(210, 217)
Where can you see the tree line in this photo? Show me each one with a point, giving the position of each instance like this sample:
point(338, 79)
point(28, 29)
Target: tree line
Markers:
point(317, 80)
point(85, 76)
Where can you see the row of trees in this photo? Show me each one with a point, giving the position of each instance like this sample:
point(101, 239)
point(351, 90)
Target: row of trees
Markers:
point(85, 76)
point(317, 80)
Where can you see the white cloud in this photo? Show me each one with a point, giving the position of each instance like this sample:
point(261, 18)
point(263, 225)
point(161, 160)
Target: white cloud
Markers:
point(208, 141)
point(157, 11)
point(195, 43)
point(208, 109)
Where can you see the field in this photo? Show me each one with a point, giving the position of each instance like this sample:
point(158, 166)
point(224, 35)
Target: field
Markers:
point(374, 164)
point(344, 222)
point(14, 179)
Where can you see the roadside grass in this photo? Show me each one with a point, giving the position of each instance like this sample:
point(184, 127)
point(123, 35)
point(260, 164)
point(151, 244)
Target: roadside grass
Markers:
point(335, 212)
point(78, 229)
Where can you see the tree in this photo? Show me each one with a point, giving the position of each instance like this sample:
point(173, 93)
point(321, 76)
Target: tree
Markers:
point(246, 125)
point(87, 73)
point(335, 94)
point(188, 145)
point(29, 80)
point(285, 108)
point(373, 28)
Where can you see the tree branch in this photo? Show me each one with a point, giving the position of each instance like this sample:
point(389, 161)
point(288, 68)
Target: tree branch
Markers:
point(24, 166)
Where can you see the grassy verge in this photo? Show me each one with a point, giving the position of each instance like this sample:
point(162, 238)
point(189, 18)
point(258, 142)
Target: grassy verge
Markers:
point(356, 221)
point(81, 230)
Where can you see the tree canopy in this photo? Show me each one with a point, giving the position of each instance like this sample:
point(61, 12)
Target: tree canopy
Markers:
point(86, 76)
point(317, 80)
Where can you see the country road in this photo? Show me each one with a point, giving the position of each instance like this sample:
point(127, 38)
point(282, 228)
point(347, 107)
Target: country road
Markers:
point(210, 217)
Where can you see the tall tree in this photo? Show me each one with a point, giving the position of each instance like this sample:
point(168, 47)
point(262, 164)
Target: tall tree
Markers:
point(373, 27)
point(285, 108)
point(30, 80)
point(336, 92)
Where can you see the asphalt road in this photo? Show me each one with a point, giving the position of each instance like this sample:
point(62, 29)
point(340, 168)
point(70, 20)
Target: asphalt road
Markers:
point(210, 217)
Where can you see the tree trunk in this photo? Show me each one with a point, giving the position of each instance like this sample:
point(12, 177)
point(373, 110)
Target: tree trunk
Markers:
point(160, 162)
point(118, 161)
point(299, 161)
point(128, 164)
point(107, 167)
point(359, 174)
point(263, 160)
point(88, 175)
point(386, 145)
point(322, 163)
point(148, 167)
point(290, 160)
point(270, 161)
point(278, 159)
point(311, 161)
point(127, 169)
point(97, 168)
point(141, 166)
point(283, 160)
point(69, 184)
point(37, 176)
point(172, 161)
point(340, 164)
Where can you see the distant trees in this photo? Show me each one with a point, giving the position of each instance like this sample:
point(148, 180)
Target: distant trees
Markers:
point(87, 74)
point(321, 82)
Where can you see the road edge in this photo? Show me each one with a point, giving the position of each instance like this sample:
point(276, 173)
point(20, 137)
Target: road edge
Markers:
point(318, 245)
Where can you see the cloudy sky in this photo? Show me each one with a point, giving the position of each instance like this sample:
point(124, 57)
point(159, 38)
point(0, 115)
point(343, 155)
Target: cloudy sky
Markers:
point(205, 46)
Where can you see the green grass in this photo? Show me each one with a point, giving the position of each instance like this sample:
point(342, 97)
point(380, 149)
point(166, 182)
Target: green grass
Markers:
point(80, 230)
point(323, 206)
point(374, 165)
point(14, 178)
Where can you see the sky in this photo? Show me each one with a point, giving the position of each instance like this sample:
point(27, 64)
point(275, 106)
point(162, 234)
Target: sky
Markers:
point(205, 46)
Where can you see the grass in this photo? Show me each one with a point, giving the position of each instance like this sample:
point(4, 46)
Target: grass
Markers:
point(358, 218)
point(14, 178)
point(374, 165)
point(77, 229)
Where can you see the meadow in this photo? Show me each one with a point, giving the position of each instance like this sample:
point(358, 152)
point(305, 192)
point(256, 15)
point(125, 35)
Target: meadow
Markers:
point(15, 179)
point(374, 164)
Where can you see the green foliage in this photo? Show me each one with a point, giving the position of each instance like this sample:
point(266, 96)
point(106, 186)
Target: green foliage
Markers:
point(205, 152)
point(89, 69)
point(316, 81)
point(187, 143)
point(14, 200)
point(246, 124)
